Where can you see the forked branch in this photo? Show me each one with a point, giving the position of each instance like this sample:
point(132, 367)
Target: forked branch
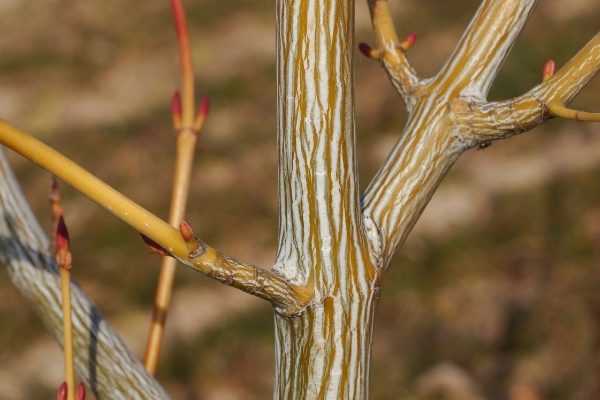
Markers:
point(450, 114)
point(498, 120)
point(481, 51)
point(391, 51)
point(287, 298)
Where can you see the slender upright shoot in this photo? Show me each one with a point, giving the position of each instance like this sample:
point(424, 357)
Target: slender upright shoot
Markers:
point(64, 263)
point(187, 125)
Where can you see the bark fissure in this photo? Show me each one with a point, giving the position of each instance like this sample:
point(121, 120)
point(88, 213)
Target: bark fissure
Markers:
point(325, 352)
point(320, 353)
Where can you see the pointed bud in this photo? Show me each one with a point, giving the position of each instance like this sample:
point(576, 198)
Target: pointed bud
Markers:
point(62, 238)
point(187, 233)
point(176, 103)
point(369, 52)
point(365, 49)
point(204, 106)
point(409, 41)
point(176, 110)
point(81, 392)
point(154, 247)
point(61, 394)
point(203, 109)
point(549, 70)
point(61, 243)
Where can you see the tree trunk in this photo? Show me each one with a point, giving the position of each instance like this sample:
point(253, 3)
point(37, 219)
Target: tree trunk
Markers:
point(324, 352)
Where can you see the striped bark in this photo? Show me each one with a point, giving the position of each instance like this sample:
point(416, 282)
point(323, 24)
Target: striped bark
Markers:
point(102, 359)
point(324, 352)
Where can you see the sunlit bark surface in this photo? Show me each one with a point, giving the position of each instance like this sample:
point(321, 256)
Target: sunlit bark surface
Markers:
point(324, 352)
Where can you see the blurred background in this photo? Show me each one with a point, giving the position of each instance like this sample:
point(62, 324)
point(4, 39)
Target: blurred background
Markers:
point(496, 295)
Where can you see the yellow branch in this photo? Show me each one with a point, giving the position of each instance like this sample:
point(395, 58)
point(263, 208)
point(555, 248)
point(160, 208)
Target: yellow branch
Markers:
point(390, 51)
point(63, 258)
point(485, 121)
point(65, 282)
point(123, 208)
point(288, 299)
point(559, 110)
point(188, 127)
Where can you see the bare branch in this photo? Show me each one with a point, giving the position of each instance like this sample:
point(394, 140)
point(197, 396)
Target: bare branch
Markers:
point(64, 263)
point(498, 120)
point(187, 68)
point(391, 51)
point(440, 129)
point(188, 127)
point(556, 109)
point(475, 62)
point(101, 357)
point(286, 297)
point(430, 145)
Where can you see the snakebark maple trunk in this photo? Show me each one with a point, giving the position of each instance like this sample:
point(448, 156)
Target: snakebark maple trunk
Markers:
point(324, 352)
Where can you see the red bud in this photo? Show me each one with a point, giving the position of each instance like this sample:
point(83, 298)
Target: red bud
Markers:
point(365, 49)
point(153, 246)
point(62, 235)
point(204, 106)
point(81, 392)
point(549, 70)
point(61, 243)
point(203, 109)
point(176, 104)
point(61, 394)
point(187, 233)
point(409, 41)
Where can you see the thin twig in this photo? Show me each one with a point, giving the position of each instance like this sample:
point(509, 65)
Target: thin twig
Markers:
point(64, 263)
point(391, 51)
point(286, 297)
point(502, 119)
point(557, 109)
point(188, 128)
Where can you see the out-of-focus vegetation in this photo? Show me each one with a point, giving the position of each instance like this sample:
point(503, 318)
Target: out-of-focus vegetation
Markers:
point(496, 294)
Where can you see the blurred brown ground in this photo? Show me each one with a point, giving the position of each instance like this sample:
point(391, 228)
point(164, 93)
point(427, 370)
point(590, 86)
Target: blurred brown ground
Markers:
point(496, 295)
